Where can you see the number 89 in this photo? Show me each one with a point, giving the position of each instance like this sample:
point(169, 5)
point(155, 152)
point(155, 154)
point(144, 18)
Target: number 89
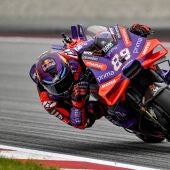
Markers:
point(125, 54)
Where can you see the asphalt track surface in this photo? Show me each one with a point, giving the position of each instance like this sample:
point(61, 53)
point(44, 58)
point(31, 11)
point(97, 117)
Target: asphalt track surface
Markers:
point(24, 123)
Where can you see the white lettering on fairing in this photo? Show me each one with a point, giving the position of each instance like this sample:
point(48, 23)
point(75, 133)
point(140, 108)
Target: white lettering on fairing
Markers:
point(106, 75)
point(112, 82)
point(138, 43)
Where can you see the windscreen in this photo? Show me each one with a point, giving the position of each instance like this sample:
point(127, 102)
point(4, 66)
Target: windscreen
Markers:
point(104, 40)
point(93, 30)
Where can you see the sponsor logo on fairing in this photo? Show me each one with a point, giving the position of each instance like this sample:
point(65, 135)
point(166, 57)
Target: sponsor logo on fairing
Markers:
point(96, 65)
point(125, 36)
point(71, 53)
point(88, 53)
point(108, 46)
point(104, 76)
point(117, 32)
point(138, 43)
point(80, 47)
point(145, 50)
point(112, 82)
point(90, 58)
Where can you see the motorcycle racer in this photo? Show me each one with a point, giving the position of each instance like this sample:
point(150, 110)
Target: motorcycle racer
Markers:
point(62, 86)
point(59, 94)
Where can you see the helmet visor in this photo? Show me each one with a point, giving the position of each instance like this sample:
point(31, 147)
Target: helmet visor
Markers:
point(62, 86)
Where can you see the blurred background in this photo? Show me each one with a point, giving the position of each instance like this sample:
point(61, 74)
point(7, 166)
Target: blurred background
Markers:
point(54, 16)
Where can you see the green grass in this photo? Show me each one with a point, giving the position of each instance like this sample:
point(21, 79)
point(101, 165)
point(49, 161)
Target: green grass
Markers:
point(10, 164)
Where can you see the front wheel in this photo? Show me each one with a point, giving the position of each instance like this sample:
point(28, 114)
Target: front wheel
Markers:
point(162, 100)
point(150, 139)
point(161, 106)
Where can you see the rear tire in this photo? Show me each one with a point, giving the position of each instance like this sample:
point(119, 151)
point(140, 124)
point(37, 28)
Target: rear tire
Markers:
point(150, 139)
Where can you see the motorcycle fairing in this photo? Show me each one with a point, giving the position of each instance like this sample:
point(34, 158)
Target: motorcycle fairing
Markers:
point(109, 74)
point(149, 56)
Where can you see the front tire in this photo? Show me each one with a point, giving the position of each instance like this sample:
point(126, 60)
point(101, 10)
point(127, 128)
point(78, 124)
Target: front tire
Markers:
point(163, 101)
point(162, 109)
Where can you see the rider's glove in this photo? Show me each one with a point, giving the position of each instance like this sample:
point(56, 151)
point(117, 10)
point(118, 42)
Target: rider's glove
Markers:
point(49, 104)
point(141, 30)
point(80, 91)
point(75, 117)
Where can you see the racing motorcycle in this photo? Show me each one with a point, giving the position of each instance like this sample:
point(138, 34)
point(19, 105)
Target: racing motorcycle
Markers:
point(127, 71)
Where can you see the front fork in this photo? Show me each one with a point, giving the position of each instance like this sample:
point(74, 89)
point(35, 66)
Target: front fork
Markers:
point(151, 93)
point(143, 91)
point(152, 117)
